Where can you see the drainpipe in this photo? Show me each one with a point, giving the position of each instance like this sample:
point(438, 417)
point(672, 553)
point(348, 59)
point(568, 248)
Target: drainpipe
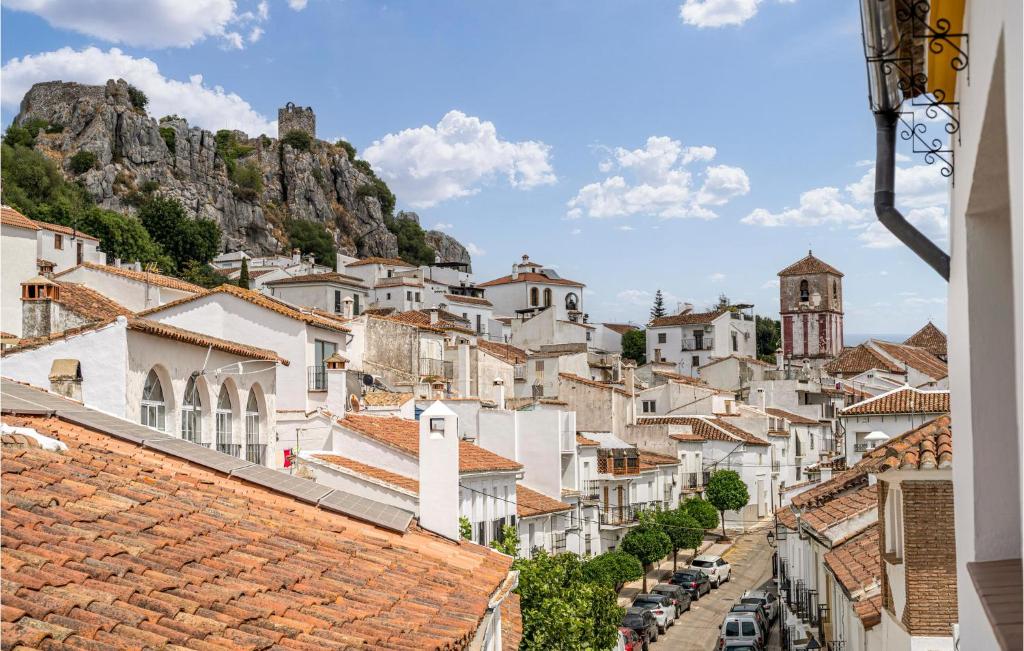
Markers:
point(885, 198)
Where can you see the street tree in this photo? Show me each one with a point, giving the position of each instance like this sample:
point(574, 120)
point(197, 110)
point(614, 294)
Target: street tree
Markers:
point(243, 275)
point(613, 569)
point(648, 543)
point(702, 511)
point(658, 309)
point(682, 529)
point(634, 346)
point(509, 541)
point(727, 492)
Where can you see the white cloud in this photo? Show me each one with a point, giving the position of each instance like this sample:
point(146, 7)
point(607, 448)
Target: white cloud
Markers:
point(659, 183)
point(441, 226)
point(818, 206)
point(209, 107)
point(717, 13)
point(717, 277)
point(635, 296)
point(256, 34)
point(430, 164)
point(931, 220)
point(576, 231)
point(626, 228)
point(145, 23)
point(297, 5)
point(771, 284)
point(475, 250)
point(263, 9)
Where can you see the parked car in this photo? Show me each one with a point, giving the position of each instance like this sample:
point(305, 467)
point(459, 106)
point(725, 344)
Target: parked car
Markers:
point(740, 645)
point(717, 569)
point(642, 621)
point(768, 600)
point(757, 610)
point(694, 580)
point(660, 606)
point(741, 626)
point(676, 593)
point(632, 640)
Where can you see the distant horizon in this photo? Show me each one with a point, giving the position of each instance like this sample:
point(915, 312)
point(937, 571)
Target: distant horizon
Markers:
point(853, 339)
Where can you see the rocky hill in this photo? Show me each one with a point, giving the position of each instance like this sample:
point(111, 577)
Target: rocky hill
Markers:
point(316, 181)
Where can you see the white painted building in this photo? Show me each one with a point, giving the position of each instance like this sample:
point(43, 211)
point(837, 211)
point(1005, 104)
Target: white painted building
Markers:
point(531, 287)
point(478, 311)
point(690, 340)
point(326, 292)
point(18, 241)
point(133, 288)
point(67, 247)
point(891, 413)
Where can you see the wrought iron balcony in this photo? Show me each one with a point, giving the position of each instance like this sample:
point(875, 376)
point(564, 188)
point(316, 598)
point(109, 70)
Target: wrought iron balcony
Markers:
point(860, 447)
point(256, 453)
point(698, 343)
point(590, 490)
point(430, 367)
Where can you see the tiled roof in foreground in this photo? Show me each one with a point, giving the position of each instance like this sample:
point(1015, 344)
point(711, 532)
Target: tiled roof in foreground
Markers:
point(857, 567)
point(112, 545)
point(530, 503)
point(928, 447)
point(905, 400)
point(148, 277)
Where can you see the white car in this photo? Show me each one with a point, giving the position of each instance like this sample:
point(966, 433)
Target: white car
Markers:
point(661, 607)
point(717, 569)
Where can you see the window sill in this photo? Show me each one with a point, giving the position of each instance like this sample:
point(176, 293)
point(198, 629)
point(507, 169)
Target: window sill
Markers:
point(998, 584)
point(892, 559)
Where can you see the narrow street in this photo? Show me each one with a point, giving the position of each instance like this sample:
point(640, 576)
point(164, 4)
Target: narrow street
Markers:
point(697, 630)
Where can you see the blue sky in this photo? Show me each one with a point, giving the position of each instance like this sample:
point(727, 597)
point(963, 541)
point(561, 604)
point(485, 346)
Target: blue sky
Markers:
point(693, 146)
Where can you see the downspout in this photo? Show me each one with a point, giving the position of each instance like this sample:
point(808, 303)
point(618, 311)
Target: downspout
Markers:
point(885, 198)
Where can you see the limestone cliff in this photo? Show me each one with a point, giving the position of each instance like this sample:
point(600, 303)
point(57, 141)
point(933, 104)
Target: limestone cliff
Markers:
point(135, 151)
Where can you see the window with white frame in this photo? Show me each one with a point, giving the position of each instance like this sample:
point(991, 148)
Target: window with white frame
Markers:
point(224, 423)
point(154, 408)
point(662, 338)
point(192, 413)
point(894, 522)
point(255, 449)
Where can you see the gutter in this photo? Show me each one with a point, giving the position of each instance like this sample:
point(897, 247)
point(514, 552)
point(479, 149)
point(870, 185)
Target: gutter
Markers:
point(885, 198)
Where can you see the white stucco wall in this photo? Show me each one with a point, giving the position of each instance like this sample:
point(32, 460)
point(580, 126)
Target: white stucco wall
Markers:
point(133, 294)
point(18, 250)
point(320, 295)
point(67, 256)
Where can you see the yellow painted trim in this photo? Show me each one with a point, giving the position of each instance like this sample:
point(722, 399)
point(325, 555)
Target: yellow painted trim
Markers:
point(941, 74)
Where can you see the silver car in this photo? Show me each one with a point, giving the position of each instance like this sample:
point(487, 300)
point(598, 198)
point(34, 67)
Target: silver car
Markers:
point(768, 601)
point(741, 626)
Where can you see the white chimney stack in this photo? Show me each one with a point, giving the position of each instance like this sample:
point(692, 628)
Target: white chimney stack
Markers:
point(464, 384)
point(346, 307)
point(296, 256)
point(515, 271)
point(498, 382)
point(337, 389)
point(439, 471)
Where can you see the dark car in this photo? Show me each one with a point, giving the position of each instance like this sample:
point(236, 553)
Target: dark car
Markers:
point(677, 593)
point(643, 622)
point(757, 609)
point(740, 645)
point(695, 582)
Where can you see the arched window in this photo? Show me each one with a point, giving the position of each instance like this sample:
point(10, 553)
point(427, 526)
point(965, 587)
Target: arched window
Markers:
point(534, 297)
point(255, 451)
point(805, 293)
point(547, 297)
point(154, 409)
point(572, 302)
point(225, 442)
point(192, 413)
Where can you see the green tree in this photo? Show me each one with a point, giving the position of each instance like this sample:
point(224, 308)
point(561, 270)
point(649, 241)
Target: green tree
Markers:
point(634, 346)
point(681, 529)
point(509, 543)
point(248, 178)
point(243, 275)
point(658, 309)
point(183, 239)
point(703, 512)
point(137, 97)
point(768, 333)
point(123, 236)
point(378, 189)
point(311, 238)
point(348, 147)
point(727, 492)
point(412, 243)
point(299, 140)
point(83, 161)
point(648, 543)
point(723, 302)
point(200, 274)
point(613, 569)
point(170, 137)
point(465, 528)
point(561, 609)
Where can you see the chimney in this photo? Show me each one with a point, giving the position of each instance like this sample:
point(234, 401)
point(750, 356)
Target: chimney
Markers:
point(463, 360)
point(346, 307)
point(296, 256)
point(687, 308)
point(39, 308)
point(66, 378)
point(137, 266)
point(498, 382)
point(629, 380)
point(826, 473)
point(434, 317)
point(337, 389)
point(439, 471)
point(515, 271)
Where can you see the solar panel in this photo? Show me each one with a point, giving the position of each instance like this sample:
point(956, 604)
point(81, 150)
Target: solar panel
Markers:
point(301, 489)
point(117, 427)
point(378, 513)
point(200, 454)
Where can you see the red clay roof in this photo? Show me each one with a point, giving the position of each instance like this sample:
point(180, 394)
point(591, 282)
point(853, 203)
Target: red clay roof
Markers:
point(404, 435)
point(330, 277)
point(505, 352)
point(927, 447)
point(469, 300)
point(621, 328)
point(690, 318)
point(743, 358)
point(12, 217)
point(809, 265)
point(401, 481)
point(386, 398)
point(861, 358)
point(141, 276)
point(791, 417)
point(112, 545)
point(787, 517)
point(842, 508)
point(591, 383)
point(64, 230)
point(530, 277)
point(530, 503)
point(394, 262)
point(704, 427)
point(828, 490)
point(905, 400)
point(89, 303)
point(650, 460)
point(929, 338)
point(857, 566)
point(421, 319)
point(584, 441)
point(916, 358)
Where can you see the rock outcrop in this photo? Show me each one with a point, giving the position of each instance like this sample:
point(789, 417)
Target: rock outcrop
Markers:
point(136, 152)
point(448, 248)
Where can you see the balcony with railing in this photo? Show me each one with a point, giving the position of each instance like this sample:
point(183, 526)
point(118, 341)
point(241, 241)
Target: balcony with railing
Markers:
point(618, 461)
point(256, 453)
point(590, 490)
point(519, 372)
point(439, 368)
point(317, 378)
point(698, 343)
point(625, 514)
point(695, 480)
point(860, 447)
point(776, 466)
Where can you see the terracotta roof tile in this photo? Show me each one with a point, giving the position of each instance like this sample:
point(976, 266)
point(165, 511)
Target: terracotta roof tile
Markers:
point(421, 319)
point(469, 300)
point(89, 303)
point(704, 428)
point(505, 352)
point(650, 460)
point(408, 483)
point(857, 563)
point(791, 417)
point(841, 482)
point(621, 328)
point(929, 338)
point(262, 300)
point(916, 358)
point(906, 400)
point(842, 508)
point(64, 230)
point(928, 447)
point(330, 277)
point(787, 517)
point(869, 611)
point(680, 378)
point(386, 398)
point(394, 262)
point(591, 383)
point(149, 277)
point(690, 318)
point(584, 441)
point(404, 435)
point(530, 277)
point(530, 503)
point(861, 358)
point(809, 265)
point(12, 217)
point(199, 560)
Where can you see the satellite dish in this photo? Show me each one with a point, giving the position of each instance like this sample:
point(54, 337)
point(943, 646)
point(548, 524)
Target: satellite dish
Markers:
point(368, 380)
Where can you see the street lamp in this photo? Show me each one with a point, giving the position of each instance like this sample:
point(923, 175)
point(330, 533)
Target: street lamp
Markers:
point(771, 538)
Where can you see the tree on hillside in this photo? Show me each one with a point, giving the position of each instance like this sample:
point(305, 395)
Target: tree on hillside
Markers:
point(727, 492)
point(184, 240)
point(311, 238)
point(561, 609)
point(681, 529)
point(613, 569)
point(648, 543)
point(768, 333)
point(702, 511)
point(243, 275)
point(634, 346)
point(658, 309)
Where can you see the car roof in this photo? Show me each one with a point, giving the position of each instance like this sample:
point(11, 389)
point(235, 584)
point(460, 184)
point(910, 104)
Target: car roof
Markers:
point(708, 557)
point(745, 608)
point(649, 595)
point(760, 594)
point(689, 570)
point(667, 586)
point(733, 614)
point(635, 611)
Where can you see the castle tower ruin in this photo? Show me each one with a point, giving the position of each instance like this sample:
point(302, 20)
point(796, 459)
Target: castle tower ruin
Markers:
point(296, 118)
